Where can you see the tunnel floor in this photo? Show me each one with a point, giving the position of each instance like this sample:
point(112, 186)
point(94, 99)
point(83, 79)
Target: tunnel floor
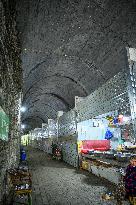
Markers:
point(56, 183)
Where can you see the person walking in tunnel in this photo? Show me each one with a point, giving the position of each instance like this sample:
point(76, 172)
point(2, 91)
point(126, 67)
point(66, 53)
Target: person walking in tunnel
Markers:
point(56, 151)
point(54, 147)
point(130, 181)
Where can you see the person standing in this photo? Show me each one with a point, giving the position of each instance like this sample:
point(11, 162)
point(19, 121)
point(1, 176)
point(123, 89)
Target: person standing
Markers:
point(130, 181)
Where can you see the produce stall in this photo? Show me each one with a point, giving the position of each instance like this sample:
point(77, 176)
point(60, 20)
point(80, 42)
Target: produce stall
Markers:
point(102, 146)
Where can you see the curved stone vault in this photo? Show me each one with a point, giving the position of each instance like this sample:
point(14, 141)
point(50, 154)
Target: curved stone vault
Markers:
point(70, 48)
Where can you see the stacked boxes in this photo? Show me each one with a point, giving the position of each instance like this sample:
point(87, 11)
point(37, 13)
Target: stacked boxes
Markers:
point(47, 146)
point(52, 128)
point(69, 151)
point(111, 174)
point(111, 96)
point(67, 137)
point(44, 145)
point(67, 124)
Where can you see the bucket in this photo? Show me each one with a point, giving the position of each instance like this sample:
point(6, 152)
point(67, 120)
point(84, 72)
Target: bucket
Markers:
point(23, 156)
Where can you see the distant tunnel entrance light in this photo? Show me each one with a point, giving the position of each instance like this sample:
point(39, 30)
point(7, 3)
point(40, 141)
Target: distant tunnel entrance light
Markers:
point(23, 109)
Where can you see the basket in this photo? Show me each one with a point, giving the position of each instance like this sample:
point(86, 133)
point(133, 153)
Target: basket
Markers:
point(85, 165)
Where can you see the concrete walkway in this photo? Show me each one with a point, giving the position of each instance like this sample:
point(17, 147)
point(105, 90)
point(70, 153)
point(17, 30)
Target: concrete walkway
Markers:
point(56, 183)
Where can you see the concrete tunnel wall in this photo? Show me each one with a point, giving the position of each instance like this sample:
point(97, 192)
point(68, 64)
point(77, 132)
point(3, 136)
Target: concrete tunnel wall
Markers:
point(10, 91)
point(70, 48)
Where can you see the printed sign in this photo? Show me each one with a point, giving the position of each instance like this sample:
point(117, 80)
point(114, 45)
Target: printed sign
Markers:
point(4, 125)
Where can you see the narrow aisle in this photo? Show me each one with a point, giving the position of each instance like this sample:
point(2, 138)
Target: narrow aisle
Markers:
point(56, 183)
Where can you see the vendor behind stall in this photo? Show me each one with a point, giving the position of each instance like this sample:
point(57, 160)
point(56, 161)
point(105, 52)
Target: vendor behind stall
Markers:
point(130, 180)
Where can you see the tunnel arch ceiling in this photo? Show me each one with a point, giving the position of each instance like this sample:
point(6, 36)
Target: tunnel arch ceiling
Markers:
point(70, 48)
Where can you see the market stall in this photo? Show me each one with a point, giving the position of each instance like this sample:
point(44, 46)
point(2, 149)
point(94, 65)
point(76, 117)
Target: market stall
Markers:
point(105, 144)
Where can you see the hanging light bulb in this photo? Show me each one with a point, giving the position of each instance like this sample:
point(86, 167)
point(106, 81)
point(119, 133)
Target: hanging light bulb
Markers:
point(23, 126)
point(23, 109)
